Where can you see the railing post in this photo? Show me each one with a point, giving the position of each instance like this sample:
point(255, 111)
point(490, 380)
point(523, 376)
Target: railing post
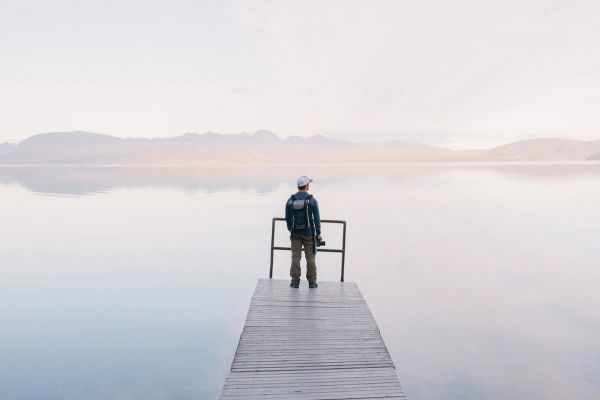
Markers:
point(343, 250)
point(272, 245)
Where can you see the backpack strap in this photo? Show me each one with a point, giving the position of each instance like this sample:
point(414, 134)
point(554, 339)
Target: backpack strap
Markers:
point(309, 214)
point(291, 207)
point(307, 203)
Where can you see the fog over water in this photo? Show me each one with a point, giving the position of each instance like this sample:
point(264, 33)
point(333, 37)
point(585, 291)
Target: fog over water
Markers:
point(133, 282)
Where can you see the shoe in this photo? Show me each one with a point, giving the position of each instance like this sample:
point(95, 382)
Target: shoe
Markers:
point(295, 283)
point(312, 284)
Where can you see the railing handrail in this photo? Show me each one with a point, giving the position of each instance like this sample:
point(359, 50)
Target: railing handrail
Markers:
point(323, 221)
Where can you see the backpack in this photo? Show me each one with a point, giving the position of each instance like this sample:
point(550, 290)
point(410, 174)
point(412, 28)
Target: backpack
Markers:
point(301, 216)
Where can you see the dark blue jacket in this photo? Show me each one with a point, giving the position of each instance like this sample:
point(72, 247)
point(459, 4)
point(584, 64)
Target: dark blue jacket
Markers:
point(313, 208)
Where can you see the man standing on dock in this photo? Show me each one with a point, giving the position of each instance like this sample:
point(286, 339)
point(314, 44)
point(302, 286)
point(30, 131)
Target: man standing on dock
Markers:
point(304, 223)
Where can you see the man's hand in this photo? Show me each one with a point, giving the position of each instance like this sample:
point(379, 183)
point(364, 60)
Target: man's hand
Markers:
point(319, 237)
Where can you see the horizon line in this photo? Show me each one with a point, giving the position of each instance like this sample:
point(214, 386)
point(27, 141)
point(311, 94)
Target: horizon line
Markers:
point(283, 138)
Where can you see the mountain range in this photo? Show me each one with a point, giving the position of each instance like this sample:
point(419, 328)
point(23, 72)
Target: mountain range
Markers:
point(264, 147)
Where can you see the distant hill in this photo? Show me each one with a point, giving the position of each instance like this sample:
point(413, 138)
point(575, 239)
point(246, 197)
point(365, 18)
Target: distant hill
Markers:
point(7, 148)
point(264, 147)
point(546, 149)
point(66, 140)
point(594, 157)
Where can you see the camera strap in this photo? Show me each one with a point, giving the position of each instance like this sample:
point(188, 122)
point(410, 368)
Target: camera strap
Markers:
point(311, 221)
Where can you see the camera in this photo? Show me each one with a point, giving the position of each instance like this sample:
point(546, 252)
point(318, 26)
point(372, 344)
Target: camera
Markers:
point(320, 243)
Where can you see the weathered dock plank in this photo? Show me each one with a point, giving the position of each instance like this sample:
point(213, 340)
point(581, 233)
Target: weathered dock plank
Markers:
point(310, 344)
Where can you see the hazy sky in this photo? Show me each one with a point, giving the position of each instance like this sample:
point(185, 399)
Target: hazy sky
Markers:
point(458, 73)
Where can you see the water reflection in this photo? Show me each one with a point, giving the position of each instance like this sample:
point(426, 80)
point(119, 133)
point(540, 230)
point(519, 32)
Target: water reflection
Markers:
point(85, 180)
point(481, 277)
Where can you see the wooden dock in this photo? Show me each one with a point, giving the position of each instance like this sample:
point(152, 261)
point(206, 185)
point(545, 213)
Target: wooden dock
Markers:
point(310, 344)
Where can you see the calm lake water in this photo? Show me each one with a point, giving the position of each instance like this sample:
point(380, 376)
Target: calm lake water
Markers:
point(133, 282)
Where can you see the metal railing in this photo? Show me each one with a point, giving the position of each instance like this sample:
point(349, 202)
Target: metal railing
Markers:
point(320, 249)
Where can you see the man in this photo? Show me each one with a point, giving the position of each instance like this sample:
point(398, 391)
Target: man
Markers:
point(304, 223)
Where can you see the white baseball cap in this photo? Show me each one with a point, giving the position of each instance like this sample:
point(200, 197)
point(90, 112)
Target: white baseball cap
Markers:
point(303, 180)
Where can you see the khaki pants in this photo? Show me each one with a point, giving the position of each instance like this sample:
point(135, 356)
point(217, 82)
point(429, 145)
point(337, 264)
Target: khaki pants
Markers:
point(309, 252)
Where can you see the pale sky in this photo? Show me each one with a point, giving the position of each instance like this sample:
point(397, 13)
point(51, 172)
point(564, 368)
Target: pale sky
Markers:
point(456, 73)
